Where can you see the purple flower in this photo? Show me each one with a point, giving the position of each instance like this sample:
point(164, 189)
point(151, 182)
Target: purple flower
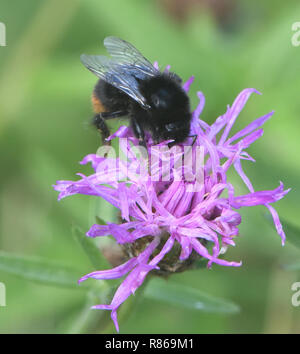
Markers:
point(175, 206)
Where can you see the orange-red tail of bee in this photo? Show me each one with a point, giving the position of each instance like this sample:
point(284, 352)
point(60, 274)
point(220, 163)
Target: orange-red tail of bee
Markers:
point(97, 104)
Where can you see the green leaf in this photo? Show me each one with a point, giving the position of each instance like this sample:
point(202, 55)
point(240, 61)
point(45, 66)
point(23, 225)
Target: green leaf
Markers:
point(92, 251)
point(40, 270)
point(100, 221)
point(193, 299)
point(292, 232)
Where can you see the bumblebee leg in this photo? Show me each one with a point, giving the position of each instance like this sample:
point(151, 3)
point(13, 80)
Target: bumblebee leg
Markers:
point(99, 121)
point(170, 145)
point(112, 115)
point(194, 138)
point(100, 124)
point(139, 133)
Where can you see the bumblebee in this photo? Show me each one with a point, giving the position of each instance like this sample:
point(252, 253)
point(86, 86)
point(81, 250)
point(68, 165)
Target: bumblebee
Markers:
point(130, 86)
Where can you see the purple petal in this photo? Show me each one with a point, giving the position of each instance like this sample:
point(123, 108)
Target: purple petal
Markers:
point(120, 234)
point(230, 216)
point(114, 273)
point(219, 124)
point(200, 249)
point(249, 139)
point(235, 110)
point(94, 159)
point(149, 230)
point(98, 230)
point(239, 169)
point(186, 86)
point(105, 230)
point(131, 282)
point(188, 231)
point(124, 205)
point(186, 248)
point(122, 132)
point(201, 104)
point(167, 68)
point(252, 126)
point(166, 249)
point(113, 313)
point(277, 223)
point(259, 198)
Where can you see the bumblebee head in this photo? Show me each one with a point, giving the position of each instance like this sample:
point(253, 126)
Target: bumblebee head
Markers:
point(169, 116)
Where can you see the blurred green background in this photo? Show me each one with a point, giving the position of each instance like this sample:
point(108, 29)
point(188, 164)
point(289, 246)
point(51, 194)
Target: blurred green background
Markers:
point(44, 131)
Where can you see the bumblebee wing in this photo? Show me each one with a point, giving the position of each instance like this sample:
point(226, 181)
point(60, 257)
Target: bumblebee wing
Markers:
point(115, 74)
point(125, 53)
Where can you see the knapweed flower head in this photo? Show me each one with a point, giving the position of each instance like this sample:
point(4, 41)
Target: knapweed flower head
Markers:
point(176, 203)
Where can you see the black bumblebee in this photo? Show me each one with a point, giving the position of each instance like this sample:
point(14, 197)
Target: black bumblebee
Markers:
point(131, 86)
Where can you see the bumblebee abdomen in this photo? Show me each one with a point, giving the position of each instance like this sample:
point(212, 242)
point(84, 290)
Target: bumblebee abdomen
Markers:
point(98, 106)
point(107, 98)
